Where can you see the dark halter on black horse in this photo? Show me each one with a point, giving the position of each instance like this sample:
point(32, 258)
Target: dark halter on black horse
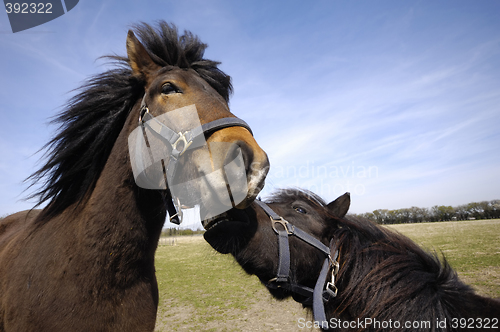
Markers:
point(321, 293)
point(179, 142)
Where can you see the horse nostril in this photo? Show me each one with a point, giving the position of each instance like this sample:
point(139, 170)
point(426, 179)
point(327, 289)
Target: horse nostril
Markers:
point(238, 156)
point(236, 171)
point(245, 167)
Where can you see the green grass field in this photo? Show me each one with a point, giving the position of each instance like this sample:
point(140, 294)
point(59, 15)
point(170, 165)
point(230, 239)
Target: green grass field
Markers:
point(201, 290)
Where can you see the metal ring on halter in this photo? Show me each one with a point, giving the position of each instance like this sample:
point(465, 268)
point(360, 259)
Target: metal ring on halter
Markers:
point(143, 112)
point(176, 217)
point(335, 266)
point(331, 289)
point(288, 227)
point(185, 143)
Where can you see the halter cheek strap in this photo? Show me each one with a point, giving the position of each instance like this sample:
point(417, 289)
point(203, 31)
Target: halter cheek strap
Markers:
point(179, 143)
point(323, 291)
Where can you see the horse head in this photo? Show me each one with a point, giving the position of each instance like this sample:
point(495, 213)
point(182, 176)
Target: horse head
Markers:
point(193, 145)
point(344, 269)
point(250, 236)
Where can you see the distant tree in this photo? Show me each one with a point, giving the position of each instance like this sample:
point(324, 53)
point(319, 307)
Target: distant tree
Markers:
point(442, 213)
point(392, 217)
point(488, 209)
point(405, 215)
point(495, 208)
point(462, 212)
point(475, 210)
point(381, 216)
point(186, 232)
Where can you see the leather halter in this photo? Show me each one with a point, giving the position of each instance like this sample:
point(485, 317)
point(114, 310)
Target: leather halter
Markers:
point(179, 143)
point(321, 293)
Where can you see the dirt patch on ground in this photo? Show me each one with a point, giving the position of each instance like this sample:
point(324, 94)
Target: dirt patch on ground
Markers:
point(265, 315)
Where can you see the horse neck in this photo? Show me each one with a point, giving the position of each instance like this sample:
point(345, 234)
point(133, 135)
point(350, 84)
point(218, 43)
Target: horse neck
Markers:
point(121, 222)
point(382, 272)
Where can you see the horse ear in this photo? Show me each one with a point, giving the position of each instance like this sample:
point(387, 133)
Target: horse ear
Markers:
point(340, 206)
point(139, 59)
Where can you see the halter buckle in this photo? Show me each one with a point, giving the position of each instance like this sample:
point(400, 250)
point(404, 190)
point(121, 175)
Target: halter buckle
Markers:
point(289, 228)
point(182, 139)
point(276, 281)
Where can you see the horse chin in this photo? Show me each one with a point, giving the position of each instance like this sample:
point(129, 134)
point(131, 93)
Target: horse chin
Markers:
point(229, 232)
point(279, 293)
point(298, 298)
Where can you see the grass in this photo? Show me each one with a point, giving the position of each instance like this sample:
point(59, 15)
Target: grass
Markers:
point(201, 290)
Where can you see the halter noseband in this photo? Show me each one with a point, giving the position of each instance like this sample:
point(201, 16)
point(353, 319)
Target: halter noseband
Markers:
point(179, 143)
point(321, 293)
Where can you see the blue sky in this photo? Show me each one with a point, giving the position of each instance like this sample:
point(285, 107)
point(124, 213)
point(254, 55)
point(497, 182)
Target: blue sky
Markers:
point(397, 102)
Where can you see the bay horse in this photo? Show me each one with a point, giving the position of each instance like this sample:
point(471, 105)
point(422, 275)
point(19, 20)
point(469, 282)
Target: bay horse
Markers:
point(376, 279)
point(85, 262)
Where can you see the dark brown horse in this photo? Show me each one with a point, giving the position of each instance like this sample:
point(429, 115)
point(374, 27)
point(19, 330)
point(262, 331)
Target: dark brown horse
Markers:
point(85, 262)
point(385, 281)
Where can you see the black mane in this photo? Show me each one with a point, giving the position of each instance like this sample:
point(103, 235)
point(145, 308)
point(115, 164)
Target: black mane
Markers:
point(92, 119)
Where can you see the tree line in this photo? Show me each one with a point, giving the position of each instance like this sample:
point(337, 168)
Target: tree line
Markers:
point(475, 210)
point(180, 232)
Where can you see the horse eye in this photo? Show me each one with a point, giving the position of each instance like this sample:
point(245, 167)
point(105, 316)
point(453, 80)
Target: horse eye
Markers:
point(169, 88)
point(300, 209)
